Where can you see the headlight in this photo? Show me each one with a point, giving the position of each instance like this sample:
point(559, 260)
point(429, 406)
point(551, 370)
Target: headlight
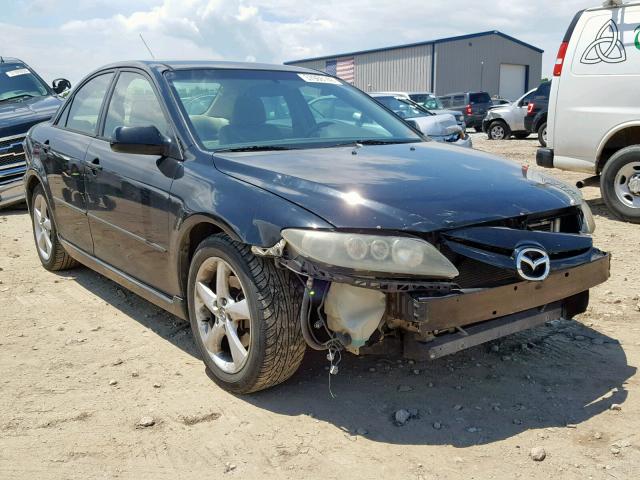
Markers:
point(371, 253)
point(575, 195)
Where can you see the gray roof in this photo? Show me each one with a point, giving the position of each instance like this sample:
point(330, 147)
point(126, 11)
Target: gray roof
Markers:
point(428, 42)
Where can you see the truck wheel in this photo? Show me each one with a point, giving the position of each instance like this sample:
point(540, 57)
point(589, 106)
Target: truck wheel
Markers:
point(51, 253)
point(245, 316)
point(498, 130)
point(620, 184)
point(478, 128)
point(521, 135)
point(542, 134)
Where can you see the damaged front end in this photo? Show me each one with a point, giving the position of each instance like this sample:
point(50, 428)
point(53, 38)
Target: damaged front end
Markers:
point(441, 292)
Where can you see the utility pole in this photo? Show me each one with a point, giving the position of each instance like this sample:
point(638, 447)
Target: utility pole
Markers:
point(482, 75)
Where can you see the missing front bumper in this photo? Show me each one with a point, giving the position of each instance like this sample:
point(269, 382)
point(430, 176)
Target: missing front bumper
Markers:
point(434, 314)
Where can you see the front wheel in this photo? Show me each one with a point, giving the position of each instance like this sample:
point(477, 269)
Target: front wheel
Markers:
point(542, 134)
point(620, 184)
point(245, 316)
point(498, 130)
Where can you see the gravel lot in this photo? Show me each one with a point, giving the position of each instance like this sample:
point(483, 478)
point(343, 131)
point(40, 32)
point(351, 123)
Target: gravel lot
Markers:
point(83, 363)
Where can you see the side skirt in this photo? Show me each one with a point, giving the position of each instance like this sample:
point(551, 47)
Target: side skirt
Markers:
point(174, 305)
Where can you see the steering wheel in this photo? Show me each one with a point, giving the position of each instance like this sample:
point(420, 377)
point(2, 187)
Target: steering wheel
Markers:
point(319, 126)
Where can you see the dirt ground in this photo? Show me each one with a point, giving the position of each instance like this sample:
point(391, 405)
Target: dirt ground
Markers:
point(82, 361)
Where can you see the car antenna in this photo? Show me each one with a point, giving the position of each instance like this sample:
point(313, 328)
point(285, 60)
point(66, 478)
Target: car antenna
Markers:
point(145, 44)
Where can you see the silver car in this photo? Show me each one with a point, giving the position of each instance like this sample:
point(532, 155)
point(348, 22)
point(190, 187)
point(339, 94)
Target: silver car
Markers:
point(441, 128)
point(503, 121)
point(429, 101)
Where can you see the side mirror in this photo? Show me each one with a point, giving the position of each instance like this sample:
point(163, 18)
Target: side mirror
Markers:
point(60, 85)
point(140, 141)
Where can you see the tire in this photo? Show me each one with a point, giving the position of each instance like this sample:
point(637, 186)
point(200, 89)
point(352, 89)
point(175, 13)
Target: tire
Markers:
point(273, 344)
point(478, 128)
point(50, 251)
point(542, 134)
point(521, 135)
point(617, 193)
point(498, 130)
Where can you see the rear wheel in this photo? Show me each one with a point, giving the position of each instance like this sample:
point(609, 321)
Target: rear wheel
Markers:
point(498, 130)
point(244, 314)
point(478, 128)
point(620, 184)
point(51, 253)
point(542, 134)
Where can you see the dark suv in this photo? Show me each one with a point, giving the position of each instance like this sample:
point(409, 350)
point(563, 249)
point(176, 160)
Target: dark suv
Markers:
point(25, 99)
point(535, 121)
point(218, 192)
point(473, 105)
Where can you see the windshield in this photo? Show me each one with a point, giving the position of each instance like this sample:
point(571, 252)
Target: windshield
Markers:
point(263, 109)
point(18, 82)
point(428, 101)
point(401, 107)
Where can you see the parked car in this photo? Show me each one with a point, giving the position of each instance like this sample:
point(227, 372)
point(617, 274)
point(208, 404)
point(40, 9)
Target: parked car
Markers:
point(594, 118)
point(25, 99)
point(430, 102)
point(474, 106)
point(535, 121)
point(502, 122)
point(271, 231)
point(442, 128)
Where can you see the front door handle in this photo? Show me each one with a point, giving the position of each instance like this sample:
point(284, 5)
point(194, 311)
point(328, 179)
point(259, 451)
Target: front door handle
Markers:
point(95, 165)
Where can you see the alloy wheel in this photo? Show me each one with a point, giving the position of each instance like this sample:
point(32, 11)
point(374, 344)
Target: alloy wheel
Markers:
point(627, 184)
point(42, 227)
point(222, 314)
point(497, 132)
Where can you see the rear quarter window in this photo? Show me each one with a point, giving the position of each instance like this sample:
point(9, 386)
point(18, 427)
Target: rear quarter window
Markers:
point(605, 45)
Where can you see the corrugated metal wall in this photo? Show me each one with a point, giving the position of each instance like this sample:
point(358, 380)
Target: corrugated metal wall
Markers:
point(459, 63)
point(403, 69)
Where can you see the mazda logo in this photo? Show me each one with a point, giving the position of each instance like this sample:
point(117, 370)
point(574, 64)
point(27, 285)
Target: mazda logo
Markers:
point(532, 263)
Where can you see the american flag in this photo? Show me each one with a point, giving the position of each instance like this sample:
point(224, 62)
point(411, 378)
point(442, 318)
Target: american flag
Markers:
point(343, 68)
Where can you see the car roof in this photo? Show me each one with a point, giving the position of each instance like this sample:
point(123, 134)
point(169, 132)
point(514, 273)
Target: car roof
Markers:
point(11, 60)
point(163, 65)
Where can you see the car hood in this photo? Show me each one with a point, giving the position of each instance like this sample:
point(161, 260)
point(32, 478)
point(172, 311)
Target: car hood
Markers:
point(17, 117)
point(437, 125)
point(417, 187)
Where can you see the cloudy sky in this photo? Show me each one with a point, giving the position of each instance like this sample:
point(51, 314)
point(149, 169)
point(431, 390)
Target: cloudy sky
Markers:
point(69, 38)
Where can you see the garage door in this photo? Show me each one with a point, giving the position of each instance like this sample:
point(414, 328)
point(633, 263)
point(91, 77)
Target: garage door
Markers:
point(512, 80)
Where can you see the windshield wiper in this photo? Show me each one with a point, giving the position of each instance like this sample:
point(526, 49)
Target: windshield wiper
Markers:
point(15, 97)
point(254, 148)
point(372, 142)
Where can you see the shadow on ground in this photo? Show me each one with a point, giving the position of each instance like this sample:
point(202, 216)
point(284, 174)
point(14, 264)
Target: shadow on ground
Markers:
point(553, 376)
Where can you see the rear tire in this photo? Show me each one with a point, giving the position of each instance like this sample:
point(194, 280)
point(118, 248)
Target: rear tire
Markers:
point(478, 129)
point(50, 251)
point(620, 184)
point(272, 346)
point(498, 130)
point(542, 134)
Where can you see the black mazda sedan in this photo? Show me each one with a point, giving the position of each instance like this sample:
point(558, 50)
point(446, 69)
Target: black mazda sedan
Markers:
point(227, 195)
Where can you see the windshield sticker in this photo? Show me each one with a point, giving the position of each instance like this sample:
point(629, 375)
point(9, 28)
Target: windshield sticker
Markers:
point(310, 77)
point(19, 71)
point(606, 47)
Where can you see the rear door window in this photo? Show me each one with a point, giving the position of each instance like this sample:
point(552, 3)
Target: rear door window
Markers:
point(482, 97)
point(458, 100)
point(86, 104)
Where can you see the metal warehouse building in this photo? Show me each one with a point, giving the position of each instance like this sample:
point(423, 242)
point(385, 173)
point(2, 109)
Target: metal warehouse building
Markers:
point(490, 61)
